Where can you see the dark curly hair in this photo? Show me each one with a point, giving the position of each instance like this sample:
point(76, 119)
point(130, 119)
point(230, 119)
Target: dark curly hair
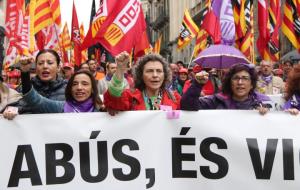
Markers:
point(139, 68)
point(293, 83)
point(95, 95)
point(226, 87)
point(51, 51)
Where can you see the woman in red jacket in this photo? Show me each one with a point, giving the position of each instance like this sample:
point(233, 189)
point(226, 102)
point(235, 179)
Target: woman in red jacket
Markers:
point(150, 77)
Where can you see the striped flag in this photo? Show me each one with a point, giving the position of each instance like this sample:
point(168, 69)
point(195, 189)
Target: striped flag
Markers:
point(55, 10)
point(84, 55)
point(273, 46)
point(269, 24)
point(43, 13)
point(63, 51)
point(66, 39)
point(236, 6)
point(243, 19)
point(157, 45)
point(246, 22)
point(188, 31)
point(202, 40)
point(291, 22)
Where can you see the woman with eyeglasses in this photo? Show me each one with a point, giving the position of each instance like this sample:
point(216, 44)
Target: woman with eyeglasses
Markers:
point(292, 95)
point(238, 92)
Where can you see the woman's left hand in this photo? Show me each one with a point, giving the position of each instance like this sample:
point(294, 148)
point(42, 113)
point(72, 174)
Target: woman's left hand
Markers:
point(10, 112)
point(293, 111)
point(112, 112)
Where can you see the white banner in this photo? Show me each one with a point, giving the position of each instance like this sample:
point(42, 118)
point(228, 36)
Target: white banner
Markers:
point(143, 150)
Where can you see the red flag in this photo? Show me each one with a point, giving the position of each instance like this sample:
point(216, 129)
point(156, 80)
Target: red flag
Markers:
point(211, 24)
point(105, 9)
point(142, 47)
point(84, 55)
point(123, 28)
point(14, 21)
point(75, 37)
point(264, 31)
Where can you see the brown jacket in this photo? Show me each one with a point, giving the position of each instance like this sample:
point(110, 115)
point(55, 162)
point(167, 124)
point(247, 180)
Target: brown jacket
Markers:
point(7, 96)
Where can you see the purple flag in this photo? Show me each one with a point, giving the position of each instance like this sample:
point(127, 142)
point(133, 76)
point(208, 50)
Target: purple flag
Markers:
point(223, 10)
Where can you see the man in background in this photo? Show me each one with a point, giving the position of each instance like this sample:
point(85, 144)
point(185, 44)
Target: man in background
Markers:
point(268, 83)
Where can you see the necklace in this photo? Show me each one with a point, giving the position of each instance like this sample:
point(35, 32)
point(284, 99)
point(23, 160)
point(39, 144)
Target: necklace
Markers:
point(152, 103)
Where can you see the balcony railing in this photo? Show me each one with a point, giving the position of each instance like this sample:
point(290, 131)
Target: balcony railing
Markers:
point(160, 22)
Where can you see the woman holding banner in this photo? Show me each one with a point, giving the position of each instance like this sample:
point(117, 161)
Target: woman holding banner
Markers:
point(292, 95)
point(237, 92)
point(81, 94)
point(150, 77)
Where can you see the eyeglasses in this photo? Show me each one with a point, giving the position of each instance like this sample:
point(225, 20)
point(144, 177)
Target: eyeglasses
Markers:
point(242, 78)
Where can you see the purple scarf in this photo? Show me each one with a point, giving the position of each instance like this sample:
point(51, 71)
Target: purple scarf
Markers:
point(267, 79)
point(108, 77)
point(74, 106)
point(293, 102)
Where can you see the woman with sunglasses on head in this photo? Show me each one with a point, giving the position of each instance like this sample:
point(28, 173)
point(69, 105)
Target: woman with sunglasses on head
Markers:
point(238, 92)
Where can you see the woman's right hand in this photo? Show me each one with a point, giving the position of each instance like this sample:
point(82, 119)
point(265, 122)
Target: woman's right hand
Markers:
point(25, 63)
point(202, 77)
point(122, 61)
point(112, 112)
point(10, 112)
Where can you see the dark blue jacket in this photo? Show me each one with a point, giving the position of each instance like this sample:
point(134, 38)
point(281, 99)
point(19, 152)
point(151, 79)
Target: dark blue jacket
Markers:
point(191, 100)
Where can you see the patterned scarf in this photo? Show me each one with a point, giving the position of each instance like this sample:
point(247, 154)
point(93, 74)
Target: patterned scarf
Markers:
point(152, 103)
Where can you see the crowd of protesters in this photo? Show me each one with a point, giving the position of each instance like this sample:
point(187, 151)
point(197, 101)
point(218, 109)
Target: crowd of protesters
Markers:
point(45, 85)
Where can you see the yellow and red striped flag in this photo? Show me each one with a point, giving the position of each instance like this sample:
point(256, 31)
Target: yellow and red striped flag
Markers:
point(43, 13)
point(273, 46)
point(84, 55)
point(65, 38)
point(243, 19)
point(290, 25)
point(157, 45)
point(202, 36)
point(188, 31)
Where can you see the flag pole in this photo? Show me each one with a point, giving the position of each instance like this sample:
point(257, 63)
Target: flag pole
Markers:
point(191, 58)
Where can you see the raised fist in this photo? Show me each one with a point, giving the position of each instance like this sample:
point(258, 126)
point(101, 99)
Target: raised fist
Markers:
point(25, 63)
point(122, 60)
point(202, 77)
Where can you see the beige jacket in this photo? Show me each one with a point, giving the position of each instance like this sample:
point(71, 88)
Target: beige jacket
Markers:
point(275, 87)
point(7, 96)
